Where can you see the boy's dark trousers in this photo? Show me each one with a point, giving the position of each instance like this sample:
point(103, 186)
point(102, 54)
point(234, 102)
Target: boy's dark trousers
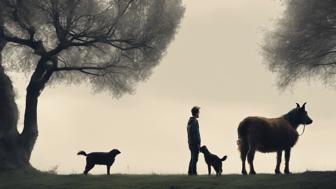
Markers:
point(194, 151)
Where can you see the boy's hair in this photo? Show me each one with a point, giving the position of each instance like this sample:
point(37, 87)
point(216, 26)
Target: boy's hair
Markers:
point(195, 110)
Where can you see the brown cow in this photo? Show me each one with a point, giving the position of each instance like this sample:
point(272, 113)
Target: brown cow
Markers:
point(270, 135)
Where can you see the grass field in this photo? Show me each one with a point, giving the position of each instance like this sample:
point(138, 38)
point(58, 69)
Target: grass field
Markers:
point(17, 180)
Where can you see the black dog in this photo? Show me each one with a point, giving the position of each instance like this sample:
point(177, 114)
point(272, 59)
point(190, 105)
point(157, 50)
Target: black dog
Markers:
point(212, 160)
point(100, 158)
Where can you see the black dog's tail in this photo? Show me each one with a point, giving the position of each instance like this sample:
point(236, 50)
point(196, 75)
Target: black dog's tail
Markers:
point(82, 153)
point(224, 158)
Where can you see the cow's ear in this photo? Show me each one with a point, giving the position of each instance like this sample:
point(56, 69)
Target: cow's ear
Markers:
point(304, 106)
point(297, 105)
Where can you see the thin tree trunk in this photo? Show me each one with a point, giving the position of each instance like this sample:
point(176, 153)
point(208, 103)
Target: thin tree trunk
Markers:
point(30, 132)
point(37, 83)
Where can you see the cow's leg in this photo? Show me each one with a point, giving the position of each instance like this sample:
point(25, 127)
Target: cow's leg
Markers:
point(243, 154)
point(287, 157)
point(250, 157)
point(277, 168)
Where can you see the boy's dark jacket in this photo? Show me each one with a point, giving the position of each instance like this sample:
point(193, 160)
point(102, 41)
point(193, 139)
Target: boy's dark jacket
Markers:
point(194, 137)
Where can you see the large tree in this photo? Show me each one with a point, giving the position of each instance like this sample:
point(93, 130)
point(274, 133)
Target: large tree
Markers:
point(108, 44)
point(303, 43)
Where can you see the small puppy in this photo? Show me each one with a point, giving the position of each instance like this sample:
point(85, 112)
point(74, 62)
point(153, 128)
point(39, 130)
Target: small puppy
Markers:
point(212, 160)
point(99, 158)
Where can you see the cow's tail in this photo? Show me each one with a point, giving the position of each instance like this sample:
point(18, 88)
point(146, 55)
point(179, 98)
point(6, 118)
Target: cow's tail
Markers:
point(242, 136)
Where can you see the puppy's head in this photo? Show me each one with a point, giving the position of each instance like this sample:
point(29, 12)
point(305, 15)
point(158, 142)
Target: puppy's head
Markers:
point(115, 152)
point(204, 149)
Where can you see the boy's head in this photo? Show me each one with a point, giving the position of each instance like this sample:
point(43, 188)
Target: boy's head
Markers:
point(195, 111)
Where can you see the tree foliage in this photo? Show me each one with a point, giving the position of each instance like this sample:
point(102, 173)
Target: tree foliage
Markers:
point(303, 43)
point(110, 44)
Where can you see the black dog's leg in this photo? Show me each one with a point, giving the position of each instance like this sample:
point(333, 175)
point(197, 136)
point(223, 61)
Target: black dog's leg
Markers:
point(209, 169)
point(88, 167)
point(108, 169)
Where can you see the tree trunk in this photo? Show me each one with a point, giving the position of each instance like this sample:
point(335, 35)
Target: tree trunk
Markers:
point(30, 131)
point(16, 148)
point(11, 150)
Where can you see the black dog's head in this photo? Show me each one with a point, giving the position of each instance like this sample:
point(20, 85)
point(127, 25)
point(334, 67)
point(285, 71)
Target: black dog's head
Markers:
point(204, 150)
point(115, 152)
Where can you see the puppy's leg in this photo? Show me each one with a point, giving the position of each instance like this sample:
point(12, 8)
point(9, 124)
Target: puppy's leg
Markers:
point(209, 169)
point(220, 168)
point(108, 169)
point(88, 167)
point(217, 170)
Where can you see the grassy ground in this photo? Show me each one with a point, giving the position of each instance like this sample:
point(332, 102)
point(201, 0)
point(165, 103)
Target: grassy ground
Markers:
point(17, 180)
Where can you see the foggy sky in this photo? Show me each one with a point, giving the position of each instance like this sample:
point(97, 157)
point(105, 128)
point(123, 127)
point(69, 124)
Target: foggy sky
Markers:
point(215, 63)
